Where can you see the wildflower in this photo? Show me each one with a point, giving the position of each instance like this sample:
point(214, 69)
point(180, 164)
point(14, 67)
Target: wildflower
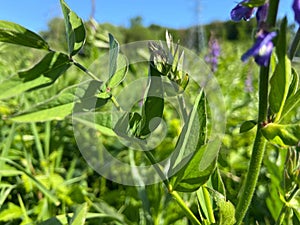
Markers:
point(214, 53)
point(242, 12)
point(262, 49)
point(296, 8)
point(262, 13)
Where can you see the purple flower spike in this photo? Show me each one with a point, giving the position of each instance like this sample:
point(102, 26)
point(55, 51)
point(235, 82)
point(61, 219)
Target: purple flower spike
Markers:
point(262, 49)
point(241, 12)
point(262, 13)
point(296, 8)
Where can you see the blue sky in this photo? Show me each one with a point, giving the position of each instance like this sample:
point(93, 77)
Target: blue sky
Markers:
point(35, 14)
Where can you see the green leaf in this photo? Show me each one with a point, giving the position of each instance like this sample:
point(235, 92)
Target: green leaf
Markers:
point(247, 125)
point(283, 135)
point(187, 160)
point(75, 29)
point(113, 54)
point(43, 74)
point(120, 72)
point(217, 182)
point(55, 113)
point(16, 34)
point(280, 80)
point(294, 83)
point(291, 103)
point(56, 108)
point(191, 177)
point(100, 121)
point(79, 216)
point(153, 107)
point(226, 209)
point(11, 213)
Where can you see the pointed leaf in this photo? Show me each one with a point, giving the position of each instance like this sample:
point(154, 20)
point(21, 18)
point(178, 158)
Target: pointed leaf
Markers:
point(190, 161)
point(81, 96)
point(280, 80)
point(291, 103)
point(284, 135)
point(16, 34)
point(55, 113)
point(113, 54)
point(294, 83)
point(79, 216)
point(191, 177)
point(247, 125)
point(119, 75)
point(192, 136)
point(43, 74)
point(153, 107)
point(75, 29)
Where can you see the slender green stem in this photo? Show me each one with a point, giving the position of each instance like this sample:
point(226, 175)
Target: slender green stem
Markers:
point(259, 142)
point(175, 195)
point(37, 141)
point(184, 207)
point(285, 207)
point(157, 169)
point(81, 67)
point(294, 46)
point(208, 204)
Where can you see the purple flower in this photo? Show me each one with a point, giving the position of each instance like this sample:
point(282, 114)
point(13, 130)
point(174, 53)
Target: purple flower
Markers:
point(262, 49)
point(241, 12)
point(214, 53)
point(296, 8)
point(262, 13)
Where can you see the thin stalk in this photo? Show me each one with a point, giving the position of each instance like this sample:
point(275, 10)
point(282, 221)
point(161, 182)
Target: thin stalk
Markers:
point(294, 46)
point(208, 204)
point(184, 207)
point(81, 67)
point(157, 169)
point(285, 207)
point(175, 195)
point(37, 141)
point(259, 144)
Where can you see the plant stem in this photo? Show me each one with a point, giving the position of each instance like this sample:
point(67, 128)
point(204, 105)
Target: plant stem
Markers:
point(258, 149)
point(259, 144)
point(209, 207)
point(81, 67)
point(175, 195)
point(157, 168)
point(294, 46)
point(184, 207)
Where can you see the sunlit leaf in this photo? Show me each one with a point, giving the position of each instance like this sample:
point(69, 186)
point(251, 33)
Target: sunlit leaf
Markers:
point(15, 34)
point(113, 54)
point(43, 74)
point(280, 80)
point(75, 29)
point(284, 135)
point(79, 216)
